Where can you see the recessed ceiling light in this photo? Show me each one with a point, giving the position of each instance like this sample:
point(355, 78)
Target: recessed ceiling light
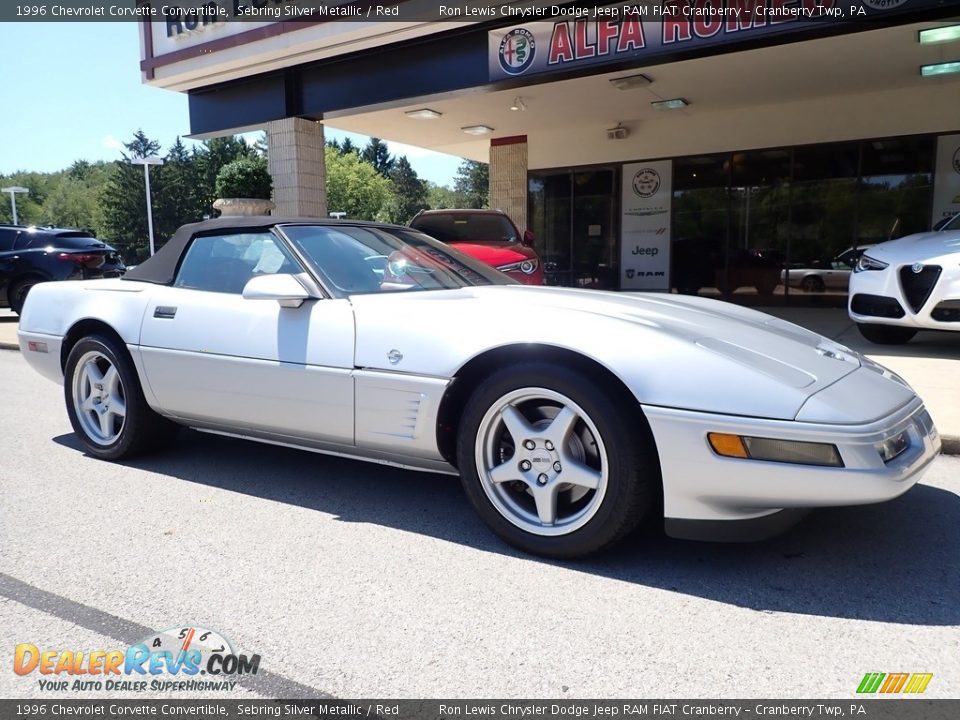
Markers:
point(518, 104)
point(423, 114)
point(949, 33)
point(477, 129)
point(672, 104)
point(940, 69)
point(630, 81)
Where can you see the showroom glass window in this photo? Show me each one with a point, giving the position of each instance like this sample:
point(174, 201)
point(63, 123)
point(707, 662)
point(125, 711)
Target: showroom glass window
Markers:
point(226, 263)
point(896, 188)
point(700, 223)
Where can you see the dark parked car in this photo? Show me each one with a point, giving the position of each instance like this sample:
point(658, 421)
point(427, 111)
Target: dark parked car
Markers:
point(31, 255)
point(700, 262)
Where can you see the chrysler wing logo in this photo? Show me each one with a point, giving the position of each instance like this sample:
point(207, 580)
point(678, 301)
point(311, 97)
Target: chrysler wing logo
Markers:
point(916, 268)
point(517, 50)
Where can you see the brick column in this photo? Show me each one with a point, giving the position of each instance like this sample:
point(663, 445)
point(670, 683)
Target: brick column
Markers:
point(295, 158)
point(508, 177)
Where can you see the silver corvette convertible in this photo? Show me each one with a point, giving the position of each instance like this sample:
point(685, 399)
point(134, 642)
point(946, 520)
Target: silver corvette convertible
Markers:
point(572, 416)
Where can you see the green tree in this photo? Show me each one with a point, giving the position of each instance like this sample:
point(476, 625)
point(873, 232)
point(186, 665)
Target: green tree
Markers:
point(440, 197)
point(209, 158)
point(354, 187)
point(347, 146)
point(472, 184)
point(377, 154)
point(71, 203)
point(176, 192)
point(30, 204)
point(123, 200)
point(409, 193)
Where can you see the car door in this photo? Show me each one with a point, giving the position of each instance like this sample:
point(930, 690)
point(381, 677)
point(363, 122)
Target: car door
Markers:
point(212, 357)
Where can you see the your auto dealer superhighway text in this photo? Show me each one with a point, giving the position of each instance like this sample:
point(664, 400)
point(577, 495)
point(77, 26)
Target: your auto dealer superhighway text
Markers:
point(636, 709)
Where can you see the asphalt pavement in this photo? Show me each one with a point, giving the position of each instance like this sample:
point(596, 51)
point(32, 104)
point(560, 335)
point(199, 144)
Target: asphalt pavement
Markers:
point(356, 580)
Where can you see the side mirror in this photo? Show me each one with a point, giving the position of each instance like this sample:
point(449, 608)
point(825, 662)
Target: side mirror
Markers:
point(528, 238)
point(285, 289)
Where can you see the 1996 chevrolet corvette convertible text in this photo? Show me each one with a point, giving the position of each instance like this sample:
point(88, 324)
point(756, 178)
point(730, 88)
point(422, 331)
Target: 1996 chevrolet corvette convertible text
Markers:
point(570, 415)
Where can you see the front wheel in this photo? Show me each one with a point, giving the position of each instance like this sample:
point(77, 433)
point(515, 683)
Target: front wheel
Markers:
point(886, 334)
point(554, 463)
point(105, 402)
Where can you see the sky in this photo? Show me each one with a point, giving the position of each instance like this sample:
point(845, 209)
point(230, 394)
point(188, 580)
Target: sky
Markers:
point(72, 91)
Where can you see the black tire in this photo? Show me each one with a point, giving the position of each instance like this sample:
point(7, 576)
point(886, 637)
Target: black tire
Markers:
point(17, 293)
point(886, 334)
point(633, 481)
point(141, 429)
point(812, 283)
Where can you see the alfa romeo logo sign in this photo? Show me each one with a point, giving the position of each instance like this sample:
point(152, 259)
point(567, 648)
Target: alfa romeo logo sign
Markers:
point(646, 182)
point(517, 50)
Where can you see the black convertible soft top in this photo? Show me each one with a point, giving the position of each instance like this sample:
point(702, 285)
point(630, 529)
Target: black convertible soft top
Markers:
point(162, 267)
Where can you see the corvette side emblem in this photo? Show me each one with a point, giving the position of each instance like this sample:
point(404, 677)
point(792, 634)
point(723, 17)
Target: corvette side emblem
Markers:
point(917, 267)
point(394, 356)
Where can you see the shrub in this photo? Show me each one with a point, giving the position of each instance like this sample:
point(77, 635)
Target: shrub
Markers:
point(244, 178)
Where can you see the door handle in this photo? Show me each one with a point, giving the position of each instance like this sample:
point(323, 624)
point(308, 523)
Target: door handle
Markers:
point(164, 312)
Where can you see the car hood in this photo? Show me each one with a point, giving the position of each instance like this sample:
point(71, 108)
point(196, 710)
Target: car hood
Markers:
point(495, 253)
point(922, 247)
point(672, 351)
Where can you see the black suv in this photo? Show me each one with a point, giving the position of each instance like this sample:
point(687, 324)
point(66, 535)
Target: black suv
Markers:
point(31, 255)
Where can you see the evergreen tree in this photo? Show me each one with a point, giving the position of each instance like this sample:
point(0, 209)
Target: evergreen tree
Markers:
point(377, 154)
point(347, 146)
point(123, 200)
point(472, 184)
point(409, 192)
point(334, 144)
point(176, 199)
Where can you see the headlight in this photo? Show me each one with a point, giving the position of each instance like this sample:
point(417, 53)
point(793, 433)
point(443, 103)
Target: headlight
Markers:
point(865, 262)
point(527, 267)
point(773, 450)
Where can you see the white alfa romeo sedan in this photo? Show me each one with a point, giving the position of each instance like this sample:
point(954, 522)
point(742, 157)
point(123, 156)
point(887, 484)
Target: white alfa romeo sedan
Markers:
point(906, 285)
point(571, 416)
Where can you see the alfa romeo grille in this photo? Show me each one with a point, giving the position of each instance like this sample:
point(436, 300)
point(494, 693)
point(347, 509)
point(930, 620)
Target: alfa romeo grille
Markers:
point(917, 286)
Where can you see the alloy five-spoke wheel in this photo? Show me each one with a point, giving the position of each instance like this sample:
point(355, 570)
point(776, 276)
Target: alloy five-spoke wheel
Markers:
point(105, 401)
point(98, 398)
point(557, 461)
point(544, 465)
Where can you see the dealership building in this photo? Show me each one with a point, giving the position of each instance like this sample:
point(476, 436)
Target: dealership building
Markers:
point(700, 146)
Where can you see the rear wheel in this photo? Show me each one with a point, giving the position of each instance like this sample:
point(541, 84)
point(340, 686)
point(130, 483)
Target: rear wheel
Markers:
point(17, 294)
point(105, 402)
point(553, 463)
point(886, 334)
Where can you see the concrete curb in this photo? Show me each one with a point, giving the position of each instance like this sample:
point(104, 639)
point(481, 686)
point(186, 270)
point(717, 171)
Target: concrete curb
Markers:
point(951, 443)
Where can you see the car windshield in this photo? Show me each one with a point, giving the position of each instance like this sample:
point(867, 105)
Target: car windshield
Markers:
point(365, 259)
point(467, 227)
point(953, 224)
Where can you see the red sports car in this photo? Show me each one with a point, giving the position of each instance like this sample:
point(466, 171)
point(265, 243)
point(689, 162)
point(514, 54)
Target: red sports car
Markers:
point(487, 235)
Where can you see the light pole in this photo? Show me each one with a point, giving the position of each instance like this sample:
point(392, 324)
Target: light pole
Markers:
point(147, 162)
point(13, 198)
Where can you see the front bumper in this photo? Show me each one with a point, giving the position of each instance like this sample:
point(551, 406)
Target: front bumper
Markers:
point(709, 490)
point(882, 300)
